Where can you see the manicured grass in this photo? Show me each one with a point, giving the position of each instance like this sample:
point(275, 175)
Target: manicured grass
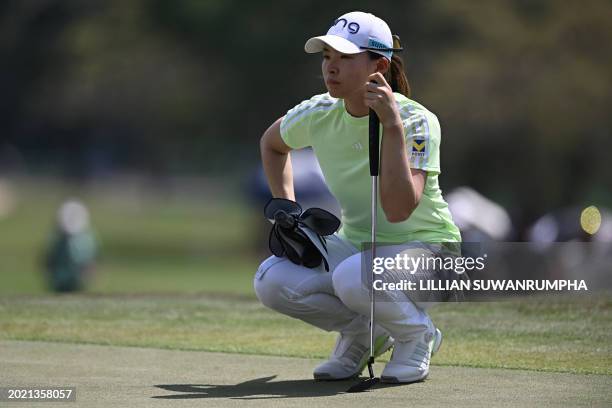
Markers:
point(561, 334)
point(175, 271)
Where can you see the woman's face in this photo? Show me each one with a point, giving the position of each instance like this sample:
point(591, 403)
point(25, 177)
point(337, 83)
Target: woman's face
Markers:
point(345, 75)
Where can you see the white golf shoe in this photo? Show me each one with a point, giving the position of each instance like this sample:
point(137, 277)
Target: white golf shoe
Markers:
point(350, 355)
point(410, 359)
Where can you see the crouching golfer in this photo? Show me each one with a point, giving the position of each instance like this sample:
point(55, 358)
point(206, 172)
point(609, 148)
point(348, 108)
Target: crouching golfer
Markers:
point(357, 51)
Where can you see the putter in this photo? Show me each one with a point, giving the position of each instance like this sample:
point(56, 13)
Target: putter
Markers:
point(374, 159)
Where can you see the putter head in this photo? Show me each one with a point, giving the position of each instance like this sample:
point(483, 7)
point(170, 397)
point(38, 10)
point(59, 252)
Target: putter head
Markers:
point(368, 383)
point(364, 385)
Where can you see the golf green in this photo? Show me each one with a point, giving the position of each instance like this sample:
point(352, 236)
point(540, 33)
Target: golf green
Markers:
point(145, 377)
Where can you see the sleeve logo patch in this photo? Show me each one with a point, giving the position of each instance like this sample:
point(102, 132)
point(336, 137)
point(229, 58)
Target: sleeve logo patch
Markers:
point(418, 147)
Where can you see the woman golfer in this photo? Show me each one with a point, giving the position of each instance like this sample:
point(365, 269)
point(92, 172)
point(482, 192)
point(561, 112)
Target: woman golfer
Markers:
point(361, 72)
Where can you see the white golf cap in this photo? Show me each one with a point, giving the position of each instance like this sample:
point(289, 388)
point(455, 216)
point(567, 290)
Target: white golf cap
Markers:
point(353, 33)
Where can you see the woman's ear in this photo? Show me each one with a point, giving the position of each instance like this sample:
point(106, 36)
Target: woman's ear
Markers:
point(382, 65)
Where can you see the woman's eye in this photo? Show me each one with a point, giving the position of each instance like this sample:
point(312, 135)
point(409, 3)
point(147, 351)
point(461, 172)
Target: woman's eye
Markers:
point(326, 57)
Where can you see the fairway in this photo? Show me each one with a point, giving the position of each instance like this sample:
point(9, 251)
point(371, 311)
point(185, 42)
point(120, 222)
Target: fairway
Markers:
point(139, 377)
point(546, 334)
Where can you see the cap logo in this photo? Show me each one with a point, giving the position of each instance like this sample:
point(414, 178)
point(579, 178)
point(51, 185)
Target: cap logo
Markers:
point(376, 44)
point(353, 27)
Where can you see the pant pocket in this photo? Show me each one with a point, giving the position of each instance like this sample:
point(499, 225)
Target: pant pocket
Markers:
point(267, 264)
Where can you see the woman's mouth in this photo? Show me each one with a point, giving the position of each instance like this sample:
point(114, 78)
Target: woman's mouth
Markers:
point(332, 82)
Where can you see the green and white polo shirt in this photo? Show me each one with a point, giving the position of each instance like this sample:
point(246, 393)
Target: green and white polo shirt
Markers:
point(340, 143)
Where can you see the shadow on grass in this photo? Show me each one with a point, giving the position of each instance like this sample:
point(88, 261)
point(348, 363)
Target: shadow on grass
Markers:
point(260, 388)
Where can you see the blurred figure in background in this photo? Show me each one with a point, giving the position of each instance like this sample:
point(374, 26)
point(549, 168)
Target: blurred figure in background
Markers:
point(479, 218)
point(485, 227)
point(564, 225)
point(572, 249)
point(71, 255)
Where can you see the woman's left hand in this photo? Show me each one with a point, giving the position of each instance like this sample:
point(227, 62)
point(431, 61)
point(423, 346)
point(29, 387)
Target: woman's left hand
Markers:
point(379, 97)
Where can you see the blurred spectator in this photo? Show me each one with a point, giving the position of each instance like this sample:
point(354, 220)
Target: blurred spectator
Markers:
point(563, 225)
point(478, 218)
point(570, 251)
point(72, 250)
point(483, 224)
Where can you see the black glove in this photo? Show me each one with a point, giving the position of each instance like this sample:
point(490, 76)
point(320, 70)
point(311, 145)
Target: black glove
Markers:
point(299, 236)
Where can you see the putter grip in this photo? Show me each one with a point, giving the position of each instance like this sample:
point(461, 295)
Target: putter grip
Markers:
point(374, 143)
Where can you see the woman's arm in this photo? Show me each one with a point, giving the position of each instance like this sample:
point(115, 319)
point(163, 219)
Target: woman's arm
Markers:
point(401, 187)
point(274, 156)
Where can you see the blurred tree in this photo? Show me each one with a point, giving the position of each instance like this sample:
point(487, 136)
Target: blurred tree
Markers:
point(522, 87)
point(526, 95)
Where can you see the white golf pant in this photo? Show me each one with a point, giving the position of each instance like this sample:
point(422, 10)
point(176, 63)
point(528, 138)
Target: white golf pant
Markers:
point(338, 300)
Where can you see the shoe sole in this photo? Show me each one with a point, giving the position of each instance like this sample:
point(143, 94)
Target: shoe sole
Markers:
point(395, 380)
point(382, 345)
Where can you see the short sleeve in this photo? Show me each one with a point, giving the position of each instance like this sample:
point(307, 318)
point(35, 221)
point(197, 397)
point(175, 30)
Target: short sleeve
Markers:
point(422, 135)
point(295, 126)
